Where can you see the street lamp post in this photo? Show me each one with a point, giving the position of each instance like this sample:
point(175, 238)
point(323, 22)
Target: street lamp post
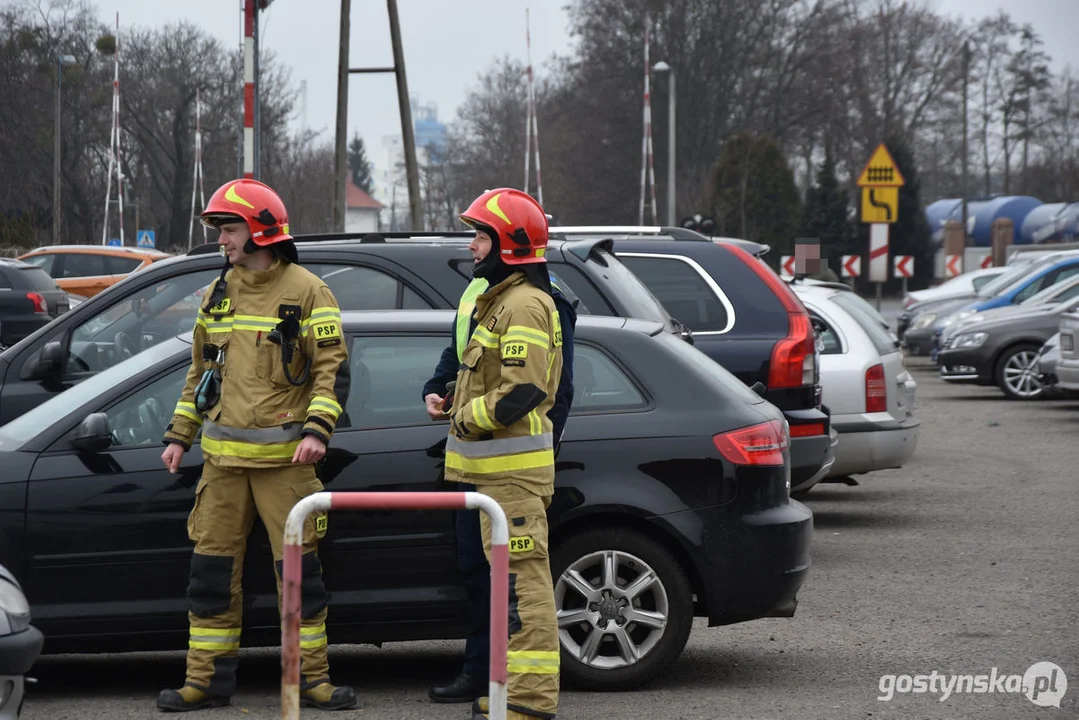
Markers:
point(661, 66)
point(61, 60)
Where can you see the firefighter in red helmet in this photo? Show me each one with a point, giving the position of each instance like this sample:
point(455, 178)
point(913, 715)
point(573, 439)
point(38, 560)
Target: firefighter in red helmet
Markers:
point(501, 437)
point(268, 382)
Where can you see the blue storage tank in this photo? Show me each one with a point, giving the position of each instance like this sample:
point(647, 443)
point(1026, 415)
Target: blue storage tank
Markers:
point(980, 216)
point(937, 214)
point(1063, 226)
point(1036, 220)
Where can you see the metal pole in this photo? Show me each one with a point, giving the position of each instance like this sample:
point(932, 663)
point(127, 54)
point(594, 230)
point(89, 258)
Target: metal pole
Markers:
point(291, 579)
point(411, 169)
point(256, 124)
point(249, 89)
point(672, 160)
point(340, 160)
point(966, 187)
point(56, 160)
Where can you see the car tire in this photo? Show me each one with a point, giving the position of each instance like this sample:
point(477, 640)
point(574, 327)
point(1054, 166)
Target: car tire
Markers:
point(1015, 371)
point(669, 596)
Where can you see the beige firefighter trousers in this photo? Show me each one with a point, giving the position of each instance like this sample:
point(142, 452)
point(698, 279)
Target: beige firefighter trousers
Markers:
point(532, 656)
point(226, 501)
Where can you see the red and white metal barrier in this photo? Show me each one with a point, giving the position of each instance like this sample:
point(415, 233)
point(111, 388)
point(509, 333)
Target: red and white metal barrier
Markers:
point(291, 578)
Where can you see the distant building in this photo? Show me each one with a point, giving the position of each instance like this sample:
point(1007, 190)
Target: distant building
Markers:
point(391, 182)
point(361, 210)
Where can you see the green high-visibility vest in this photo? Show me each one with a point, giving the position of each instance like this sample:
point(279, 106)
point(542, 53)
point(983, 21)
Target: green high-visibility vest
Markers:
point(464, 313)
point(477, 287)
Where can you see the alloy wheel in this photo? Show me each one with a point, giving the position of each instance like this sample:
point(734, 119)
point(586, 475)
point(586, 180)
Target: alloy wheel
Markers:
point(1020, 375)
point(612, 609)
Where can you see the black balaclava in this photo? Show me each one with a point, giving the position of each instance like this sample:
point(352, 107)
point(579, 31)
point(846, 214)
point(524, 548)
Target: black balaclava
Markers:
point(494, 270)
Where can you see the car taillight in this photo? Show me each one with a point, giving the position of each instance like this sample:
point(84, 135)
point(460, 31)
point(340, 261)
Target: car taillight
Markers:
point(793, 362)
point(876, 394)
point(757, 445)
point(794, 357)
point(807, 430)
point(40, 306)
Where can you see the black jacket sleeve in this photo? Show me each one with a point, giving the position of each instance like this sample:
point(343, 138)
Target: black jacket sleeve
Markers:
point(559, 413)
point(447, 367)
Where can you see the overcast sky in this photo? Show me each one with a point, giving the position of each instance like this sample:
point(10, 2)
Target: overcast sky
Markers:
point(447, 44)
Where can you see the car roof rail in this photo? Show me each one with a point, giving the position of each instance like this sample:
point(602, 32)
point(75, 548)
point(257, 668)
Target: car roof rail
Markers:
point(677, 233)
point(380, 236)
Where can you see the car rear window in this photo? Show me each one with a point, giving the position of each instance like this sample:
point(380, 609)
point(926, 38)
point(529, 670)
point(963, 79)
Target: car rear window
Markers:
point(709, 370)
point(38, 279)
point(878, 335)
point(122, 265)
point(634, 295)
point(685, 294)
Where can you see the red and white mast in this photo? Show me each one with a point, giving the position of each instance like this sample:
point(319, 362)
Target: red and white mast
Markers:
point(114, 147)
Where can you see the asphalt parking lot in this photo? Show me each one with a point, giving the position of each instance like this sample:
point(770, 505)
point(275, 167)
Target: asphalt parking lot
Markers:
point(961, 562)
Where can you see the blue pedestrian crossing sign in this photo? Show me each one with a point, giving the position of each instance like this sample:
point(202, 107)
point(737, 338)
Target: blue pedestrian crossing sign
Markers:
point(115, 242)
point(146, 238)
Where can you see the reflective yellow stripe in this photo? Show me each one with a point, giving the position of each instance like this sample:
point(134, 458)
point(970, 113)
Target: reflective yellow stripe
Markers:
point(499, 446)
point(485, 338)
point(311, 637)
point(533, 662)
point(520, 333)
point(252, 451)
point(326, 405)
point(255, 323)
point(187, 410)
point(215, 326)
point(535, 427)
point(479, 414)
point(320, 315)
point(500, 463)
point(215, 639)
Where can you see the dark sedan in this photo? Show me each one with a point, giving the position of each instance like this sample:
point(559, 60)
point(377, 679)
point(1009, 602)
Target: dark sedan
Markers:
point(1002, 349)
point(29, 299)
point(672, 494)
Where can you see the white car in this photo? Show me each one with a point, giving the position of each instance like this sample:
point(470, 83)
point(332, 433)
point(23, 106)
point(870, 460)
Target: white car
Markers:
point(864, 383)
point(20, 645)
point(966, 284)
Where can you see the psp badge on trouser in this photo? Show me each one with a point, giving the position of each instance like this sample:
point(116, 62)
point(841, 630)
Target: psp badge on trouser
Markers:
point(533, 652)
point(226, 501)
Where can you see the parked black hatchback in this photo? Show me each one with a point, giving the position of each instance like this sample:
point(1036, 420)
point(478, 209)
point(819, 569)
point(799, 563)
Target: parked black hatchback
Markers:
point(743, 316)
point(29, 299)
point(696, 521)
point(365, 272)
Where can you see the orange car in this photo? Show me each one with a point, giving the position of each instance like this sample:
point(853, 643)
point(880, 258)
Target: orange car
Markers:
point(88, 269)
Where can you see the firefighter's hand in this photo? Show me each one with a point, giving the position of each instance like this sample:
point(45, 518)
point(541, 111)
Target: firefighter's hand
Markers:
point(434, 406)
point(172, 456)
point(311, 450)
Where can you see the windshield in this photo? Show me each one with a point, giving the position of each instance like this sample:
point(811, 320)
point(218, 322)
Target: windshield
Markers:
point(1059, 292)
point(29, 425)
point(882, 339)
point(1011, 276)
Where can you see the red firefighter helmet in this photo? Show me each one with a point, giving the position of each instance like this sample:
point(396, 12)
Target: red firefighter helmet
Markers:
point(254, 203)
point(514, 221)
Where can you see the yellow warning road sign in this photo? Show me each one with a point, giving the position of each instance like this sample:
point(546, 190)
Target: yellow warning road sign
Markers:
point(881, 170)
point(880, 204)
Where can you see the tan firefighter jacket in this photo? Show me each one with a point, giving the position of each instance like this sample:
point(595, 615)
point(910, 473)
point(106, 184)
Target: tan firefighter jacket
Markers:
point(260, 417)
point(499, 429)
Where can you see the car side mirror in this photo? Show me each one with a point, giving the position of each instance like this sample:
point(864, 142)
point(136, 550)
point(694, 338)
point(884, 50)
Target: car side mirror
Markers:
point(93, 434)
point(49, 362)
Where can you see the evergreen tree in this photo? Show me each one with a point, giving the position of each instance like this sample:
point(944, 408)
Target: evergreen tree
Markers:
point(826, 216)
point(358, 163)
point(753, 193)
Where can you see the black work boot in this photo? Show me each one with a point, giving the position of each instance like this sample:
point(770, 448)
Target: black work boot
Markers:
point(464, 688)
point(325, 696)
point(189, 698)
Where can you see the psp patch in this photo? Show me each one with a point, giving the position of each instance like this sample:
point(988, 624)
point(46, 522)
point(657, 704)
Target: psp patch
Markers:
point(516, 350)
point(522, 544)
point(321, 523)
point(222, 308)
point(326, 330)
